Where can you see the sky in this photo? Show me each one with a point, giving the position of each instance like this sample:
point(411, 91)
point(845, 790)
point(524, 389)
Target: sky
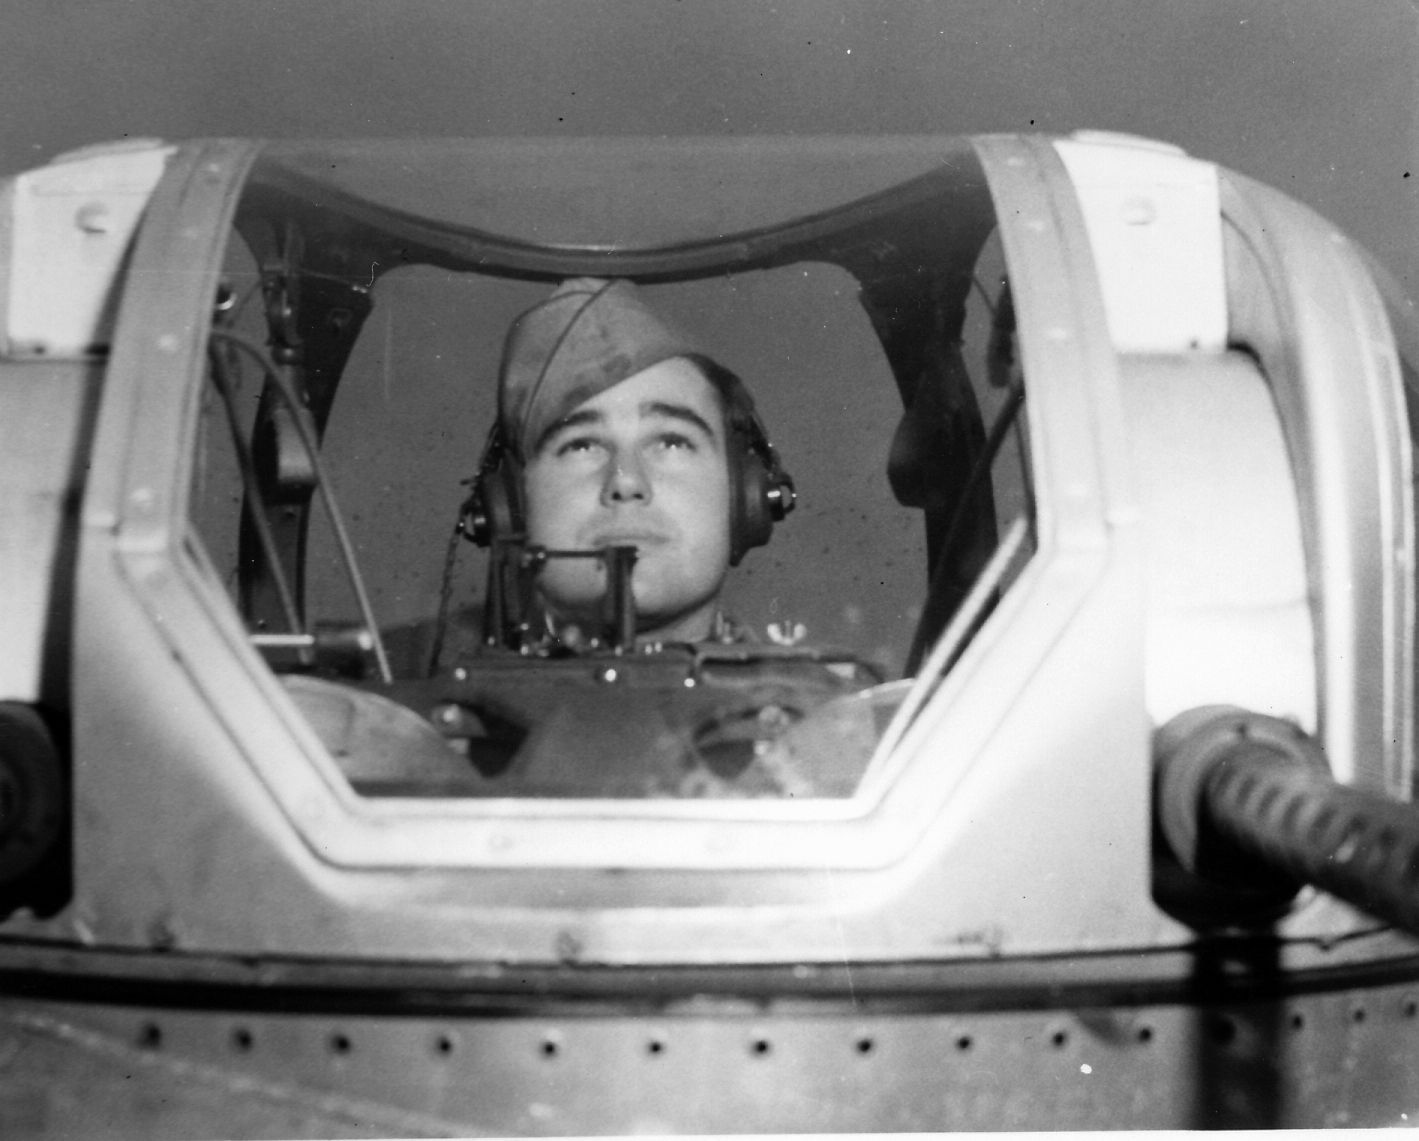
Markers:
point(1317, 97)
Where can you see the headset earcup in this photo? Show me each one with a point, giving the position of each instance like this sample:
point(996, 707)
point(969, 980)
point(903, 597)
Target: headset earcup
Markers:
point(496, 504)
point(752, 525)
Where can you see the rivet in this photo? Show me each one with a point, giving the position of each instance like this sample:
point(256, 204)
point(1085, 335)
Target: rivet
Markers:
point(1138, 212)
point(93, 218)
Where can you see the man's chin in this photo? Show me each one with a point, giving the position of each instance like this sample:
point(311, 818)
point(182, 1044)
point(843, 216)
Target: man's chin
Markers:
point(691, 623)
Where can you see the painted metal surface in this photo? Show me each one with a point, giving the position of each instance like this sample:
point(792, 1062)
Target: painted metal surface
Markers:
point(1181, 1057)
point(899, 871)
point(1217, 488)
point(1228, 611)
point(855, 874)
point(64, 232)
point(46, 422)
point(1156, 234)
point(1303, 303)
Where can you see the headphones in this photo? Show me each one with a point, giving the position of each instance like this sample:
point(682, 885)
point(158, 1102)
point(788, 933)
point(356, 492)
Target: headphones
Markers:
point(761, 492)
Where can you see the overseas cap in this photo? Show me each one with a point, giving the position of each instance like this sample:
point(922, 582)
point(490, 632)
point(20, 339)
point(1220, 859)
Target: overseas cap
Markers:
point(588, 336)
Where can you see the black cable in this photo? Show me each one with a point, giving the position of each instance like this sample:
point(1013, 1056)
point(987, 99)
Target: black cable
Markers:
point(1004, 420)
point(445, 594)
point(337, 523)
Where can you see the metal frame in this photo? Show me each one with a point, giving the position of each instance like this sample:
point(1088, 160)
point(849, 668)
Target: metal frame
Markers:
point(254, 842)
point(1304, 303)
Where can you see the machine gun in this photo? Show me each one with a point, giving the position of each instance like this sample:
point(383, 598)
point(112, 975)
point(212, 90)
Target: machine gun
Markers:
point(1247, 805)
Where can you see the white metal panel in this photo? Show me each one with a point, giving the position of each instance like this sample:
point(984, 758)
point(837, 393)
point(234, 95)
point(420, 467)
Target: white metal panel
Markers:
point(70, 224)
point(41, 427)
point(1156, 233)
point(1303, 302)
point(1227, 599)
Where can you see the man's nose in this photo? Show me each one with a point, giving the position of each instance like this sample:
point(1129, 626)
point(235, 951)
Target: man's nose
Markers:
point(626, 480)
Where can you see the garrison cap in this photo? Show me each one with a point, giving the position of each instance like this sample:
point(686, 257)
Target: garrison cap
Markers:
point(588, 336)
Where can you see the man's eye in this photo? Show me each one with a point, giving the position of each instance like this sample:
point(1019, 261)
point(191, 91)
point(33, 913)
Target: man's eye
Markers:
point(676, 441)
point(577, 445)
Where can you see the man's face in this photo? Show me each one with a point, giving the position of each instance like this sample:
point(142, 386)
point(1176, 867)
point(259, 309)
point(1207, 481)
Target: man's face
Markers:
point(642, 463)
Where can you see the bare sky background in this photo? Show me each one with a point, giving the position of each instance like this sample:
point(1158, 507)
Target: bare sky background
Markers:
point(1318, 97)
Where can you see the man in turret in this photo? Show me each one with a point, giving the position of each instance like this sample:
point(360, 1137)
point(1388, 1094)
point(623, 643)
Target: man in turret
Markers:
point(620, 431)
